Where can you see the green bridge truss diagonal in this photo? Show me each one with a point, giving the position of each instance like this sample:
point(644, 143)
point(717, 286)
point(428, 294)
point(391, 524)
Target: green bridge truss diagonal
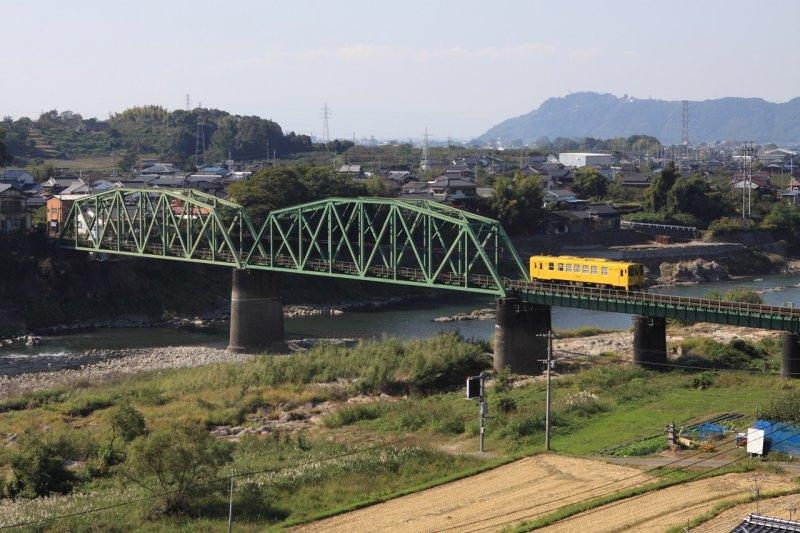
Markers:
point(410, 242)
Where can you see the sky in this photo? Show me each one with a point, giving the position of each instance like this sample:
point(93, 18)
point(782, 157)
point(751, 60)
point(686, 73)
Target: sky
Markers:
point(388, 69)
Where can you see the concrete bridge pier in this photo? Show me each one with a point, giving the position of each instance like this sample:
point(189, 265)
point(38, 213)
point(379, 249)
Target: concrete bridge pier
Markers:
point(519, 343)
point(256, 313)
point(650, 342)
point(790, 355)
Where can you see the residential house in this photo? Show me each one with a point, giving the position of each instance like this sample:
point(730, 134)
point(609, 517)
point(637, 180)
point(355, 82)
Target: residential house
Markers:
point(159, 169)
point(567, 221)
point(556, 197)
point(603, 216)
point(14, 214)
point(17, 175)
point(169, 182)
point(58, 208)
point(754, 182)
point(453, 189)
point(638, 181)
point(756, 523)
point(56, 185)
point(354, 171)
point(793, 196)
point(779, 156)
point(460, 169)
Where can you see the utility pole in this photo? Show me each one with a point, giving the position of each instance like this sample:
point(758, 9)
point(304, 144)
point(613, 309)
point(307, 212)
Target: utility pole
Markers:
point(548, 398)
point(476, 390)
point(423, 165)
point(230, 508)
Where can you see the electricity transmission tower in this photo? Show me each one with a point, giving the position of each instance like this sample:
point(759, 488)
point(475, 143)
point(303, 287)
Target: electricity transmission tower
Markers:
point(326, 114)
point(423, 164)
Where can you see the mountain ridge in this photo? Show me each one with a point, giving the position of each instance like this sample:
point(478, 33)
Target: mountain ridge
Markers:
point(604, 115)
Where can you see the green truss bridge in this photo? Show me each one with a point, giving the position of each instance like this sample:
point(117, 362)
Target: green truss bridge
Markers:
point(403, 242)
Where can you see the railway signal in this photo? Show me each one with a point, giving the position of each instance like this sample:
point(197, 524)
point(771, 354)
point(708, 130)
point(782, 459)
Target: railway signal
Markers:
point(476, 391)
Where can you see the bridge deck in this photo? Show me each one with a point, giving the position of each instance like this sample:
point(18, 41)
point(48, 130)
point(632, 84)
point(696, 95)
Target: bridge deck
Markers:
point(689, 309)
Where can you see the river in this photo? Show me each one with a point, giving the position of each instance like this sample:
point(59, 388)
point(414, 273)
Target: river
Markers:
point(402, 320)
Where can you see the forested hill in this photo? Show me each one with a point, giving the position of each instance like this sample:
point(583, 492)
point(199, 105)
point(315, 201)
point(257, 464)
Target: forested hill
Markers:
point(589, 114)
point(152, 130)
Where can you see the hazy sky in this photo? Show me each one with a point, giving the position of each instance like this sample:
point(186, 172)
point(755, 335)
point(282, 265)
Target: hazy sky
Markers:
point(388, 68)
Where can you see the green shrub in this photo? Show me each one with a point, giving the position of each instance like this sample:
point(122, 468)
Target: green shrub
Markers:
point(506, 404)
point(583, 404)
point(349, 415)
point(37, 467)
point(388, 365)
point(783, 409)
point(127, 423)
point(702, 381)
point(176, 465)
point(737, 354)
point(13, 404)
point(739, 295)
point(85, 406)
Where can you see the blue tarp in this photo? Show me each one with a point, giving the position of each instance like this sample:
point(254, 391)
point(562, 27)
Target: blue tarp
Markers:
point(707, 430)
point(780, 436)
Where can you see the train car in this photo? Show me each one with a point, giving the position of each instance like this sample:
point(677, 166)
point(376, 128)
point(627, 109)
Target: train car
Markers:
point(587, 271)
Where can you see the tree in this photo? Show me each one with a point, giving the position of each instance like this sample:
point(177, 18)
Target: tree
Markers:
point(176, 464)
point(784, 219)
point(4, 156)
point(277, 187)
point(695, 197)
point(517, 203)
point(590, 183)
point(376, 186)
point(663, 182)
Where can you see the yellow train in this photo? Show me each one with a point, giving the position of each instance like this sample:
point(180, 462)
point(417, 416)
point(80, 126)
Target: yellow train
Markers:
point(582, 271)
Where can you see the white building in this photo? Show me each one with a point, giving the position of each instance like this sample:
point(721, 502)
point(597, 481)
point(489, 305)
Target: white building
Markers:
point(584, 159)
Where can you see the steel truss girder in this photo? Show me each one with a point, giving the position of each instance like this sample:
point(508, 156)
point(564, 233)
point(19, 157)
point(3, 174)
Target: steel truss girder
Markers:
point(414, 242)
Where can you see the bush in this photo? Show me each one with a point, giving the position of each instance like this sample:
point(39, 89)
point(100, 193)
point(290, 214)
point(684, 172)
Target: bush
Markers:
point(506, 404)
point(739, 295)
point(387, 365)
point(583, 404)
point(702, 381)
point(349, 415)
point(127, 423)
point(86, 405)
point(737, 354)
point(37, 467)
point(783, 409)
point(176, 465)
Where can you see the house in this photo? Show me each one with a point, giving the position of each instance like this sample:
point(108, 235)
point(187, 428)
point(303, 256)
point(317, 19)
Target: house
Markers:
point(18, 175)
point(755, 182)
point(14, 214)
point(460, 169)
point(454, 189)
point(793, 196)
point(567, 221)
point(159, 169)
point(355, 171)
point(638, 181)
point(554, 197)
point(213, 170)
point(484, 192)
point(55, 185)
point(169, 182)
point(755, 523)
point(58, 207)
point(603, 216)
point(779, 156)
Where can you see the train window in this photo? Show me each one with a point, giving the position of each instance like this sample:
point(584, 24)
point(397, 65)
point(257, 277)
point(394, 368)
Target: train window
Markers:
point(549, 266)
point(621, 272)
point(577, 268)
point(594, 269)
point(585, 269)
point(604, 271)
point(561, 267)
point(568, 267)
point(540, 266)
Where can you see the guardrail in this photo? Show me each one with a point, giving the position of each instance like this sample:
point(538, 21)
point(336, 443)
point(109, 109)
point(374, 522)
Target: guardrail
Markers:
point(650, 225)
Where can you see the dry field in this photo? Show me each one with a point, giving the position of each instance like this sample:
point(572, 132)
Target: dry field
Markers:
point(672, 506)
point(535, 486)
point(486, 501)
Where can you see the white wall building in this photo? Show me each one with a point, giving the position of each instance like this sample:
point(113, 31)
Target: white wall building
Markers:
point(584, 159)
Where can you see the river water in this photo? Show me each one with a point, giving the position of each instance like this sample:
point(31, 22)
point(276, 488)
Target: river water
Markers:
point(403, 320)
